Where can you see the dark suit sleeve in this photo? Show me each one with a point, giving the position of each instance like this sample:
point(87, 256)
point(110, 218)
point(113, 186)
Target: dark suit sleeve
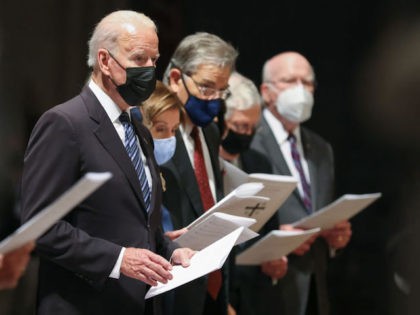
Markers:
point(51, 166)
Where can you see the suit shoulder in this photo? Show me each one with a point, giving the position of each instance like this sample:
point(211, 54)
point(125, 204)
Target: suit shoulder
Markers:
point(68, 107)
point(262, 131)
point(69, 115)
point(314, 139)
point(212, 130)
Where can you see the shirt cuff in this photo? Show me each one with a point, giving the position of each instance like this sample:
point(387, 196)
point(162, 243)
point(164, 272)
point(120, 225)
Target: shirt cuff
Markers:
point(115, 273)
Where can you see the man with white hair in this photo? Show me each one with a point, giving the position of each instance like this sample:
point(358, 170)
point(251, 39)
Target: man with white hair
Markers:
point(104, 255)
point(288, 85)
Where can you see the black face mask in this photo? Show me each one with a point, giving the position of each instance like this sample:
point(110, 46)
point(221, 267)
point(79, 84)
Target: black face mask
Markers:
point(235, 143)
point(140, 83)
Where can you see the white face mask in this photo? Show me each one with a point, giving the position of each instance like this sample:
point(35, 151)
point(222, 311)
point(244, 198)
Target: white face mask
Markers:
point(295, 104)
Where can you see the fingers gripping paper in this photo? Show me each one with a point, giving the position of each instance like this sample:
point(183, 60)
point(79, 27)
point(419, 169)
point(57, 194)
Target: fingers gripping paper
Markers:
point(44, 219)
point(203, 262)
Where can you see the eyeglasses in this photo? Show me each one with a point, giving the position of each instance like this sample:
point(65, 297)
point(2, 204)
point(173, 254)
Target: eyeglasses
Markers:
point(294, 80)
point(209, 92)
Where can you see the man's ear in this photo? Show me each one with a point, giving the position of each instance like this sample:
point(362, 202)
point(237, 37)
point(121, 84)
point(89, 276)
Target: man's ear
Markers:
point(265, 92)
point(103, 61)
point(175, 79)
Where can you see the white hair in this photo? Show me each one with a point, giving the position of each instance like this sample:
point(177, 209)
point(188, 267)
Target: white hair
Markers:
point(108, 30)
point(244, 94)
point(268, 71)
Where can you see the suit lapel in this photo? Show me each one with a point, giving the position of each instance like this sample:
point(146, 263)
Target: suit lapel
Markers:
point(106, 134)
point(186, 173)
point(214, 157)
point(273, 149)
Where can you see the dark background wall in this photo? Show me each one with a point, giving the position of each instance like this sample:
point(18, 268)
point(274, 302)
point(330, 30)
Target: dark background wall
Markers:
point(367, 103)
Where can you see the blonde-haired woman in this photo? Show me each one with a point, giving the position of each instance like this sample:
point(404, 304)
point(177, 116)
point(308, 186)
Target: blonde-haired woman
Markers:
point(162, 115)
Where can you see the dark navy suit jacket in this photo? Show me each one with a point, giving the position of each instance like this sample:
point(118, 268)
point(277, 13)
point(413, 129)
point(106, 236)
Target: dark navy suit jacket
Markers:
point(79, 252)
point(182, 198)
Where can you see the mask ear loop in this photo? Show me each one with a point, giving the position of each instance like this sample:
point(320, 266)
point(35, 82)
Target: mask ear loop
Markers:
point(175, 66)
point(115, 59)
point(112, 56)
point(185, 85)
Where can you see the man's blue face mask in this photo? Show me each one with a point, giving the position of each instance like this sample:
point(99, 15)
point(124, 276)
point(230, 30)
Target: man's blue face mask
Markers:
point(202, 112)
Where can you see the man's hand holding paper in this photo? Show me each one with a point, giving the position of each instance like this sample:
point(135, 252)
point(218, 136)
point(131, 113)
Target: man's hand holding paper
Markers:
point(175, 234)
point(305, 246)
point(275, 269)
point(203, 262)
point(338, 236)
point(151, 268)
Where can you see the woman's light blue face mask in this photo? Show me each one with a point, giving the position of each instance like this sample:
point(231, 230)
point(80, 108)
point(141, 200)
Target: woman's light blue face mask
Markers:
point(164, 149)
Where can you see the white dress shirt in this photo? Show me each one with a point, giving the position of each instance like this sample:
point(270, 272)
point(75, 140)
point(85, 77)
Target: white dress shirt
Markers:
point(281, 136)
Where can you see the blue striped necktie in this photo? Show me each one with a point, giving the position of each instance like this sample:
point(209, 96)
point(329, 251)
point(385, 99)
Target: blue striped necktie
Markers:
point(305, 185)
point(133, 151)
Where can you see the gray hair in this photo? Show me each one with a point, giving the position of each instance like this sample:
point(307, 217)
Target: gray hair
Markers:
point(201, 48)
point(108, 30)
point(244, 94)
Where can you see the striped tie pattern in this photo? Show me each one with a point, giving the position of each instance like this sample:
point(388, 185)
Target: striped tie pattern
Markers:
point(133, 151)
point(305, 185)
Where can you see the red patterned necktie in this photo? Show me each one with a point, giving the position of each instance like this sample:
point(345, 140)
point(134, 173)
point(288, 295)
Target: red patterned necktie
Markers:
point(214, 282)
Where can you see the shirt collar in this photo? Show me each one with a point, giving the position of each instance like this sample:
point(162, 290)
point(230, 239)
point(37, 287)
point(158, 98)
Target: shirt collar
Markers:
point(112, 109)
point(281, 134)
point(186, 128)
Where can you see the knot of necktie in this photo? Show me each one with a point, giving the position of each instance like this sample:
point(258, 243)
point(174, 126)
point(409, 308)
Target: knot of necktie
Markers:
point(135, 115)
point(124, 118)
point(194, 133)
point(291, 138)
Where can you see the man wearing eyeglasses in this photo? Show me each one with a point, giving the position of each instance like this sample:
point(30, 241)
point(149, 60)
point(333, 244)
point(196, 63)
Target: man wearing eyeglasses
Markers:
point(198, 72)
point(287, 89)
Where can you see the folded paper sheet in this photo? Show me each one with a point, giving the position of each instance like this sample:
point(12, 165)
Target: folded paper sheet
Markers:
point(275, 187)
point(44, 219)
point(274, 245)
point(240, 202)
point(214, 227)
point(203, 262)
point(342, 209)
